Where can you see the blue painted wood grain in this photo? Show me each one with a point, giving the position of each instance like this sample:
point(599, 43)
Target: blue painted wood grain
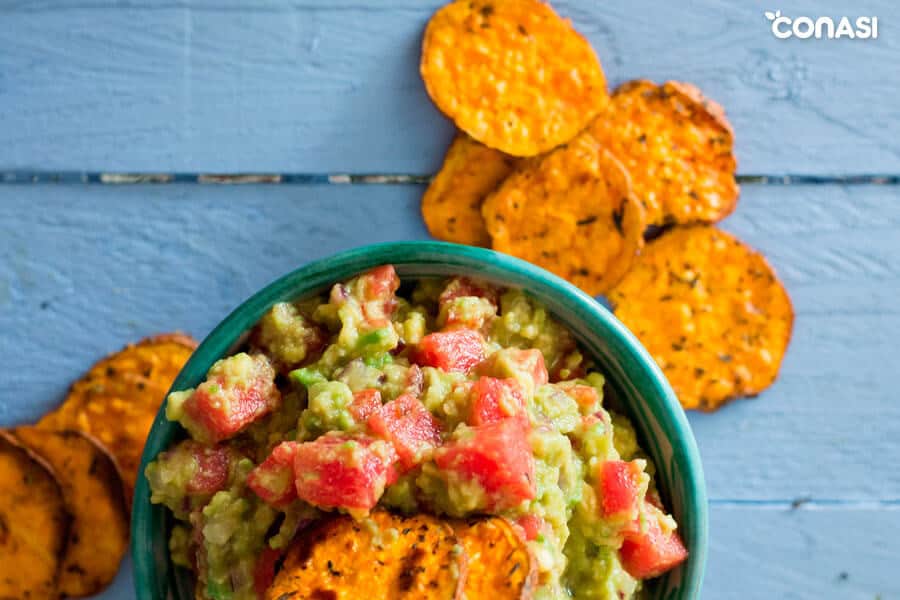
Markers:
point(85, 270)
point(282, 85)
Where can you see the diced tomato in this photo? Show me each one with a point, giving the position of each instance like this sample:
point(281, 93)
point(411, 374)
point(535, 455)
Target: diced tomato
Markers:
point(457, 350)
point(516, 362)
point(273, 480)
point(224, 405)
point(496, 399)
point(264, 571)
point(463, 286)
point(365, 404)
point(652, 552)
point(498, 457)
point(380, 283)
point(378, 288)
point(344, 471)
point(531, 525)
point(619, 488)
point(585, 396)
point(408, 426)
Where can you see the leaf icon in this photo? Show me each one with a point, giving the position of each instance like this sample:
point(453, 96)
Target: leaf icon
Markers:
point(770, 15)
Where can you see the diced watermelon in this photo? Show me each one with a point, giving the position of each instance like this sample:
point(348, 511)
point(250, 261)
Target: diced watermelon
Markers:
point(457, 350)
point(380, 283)
point(365, 403)
point(531, 525)
point(473, 313)
point(378, 288)
point(515, 362)
point(238, 391)
point(619, 488)
point(213, 469)
point(264, 571)
point(408, 426)
point(496, 399)
point(209, 466)
point(653, 551)
point(344, 471)
point(273, 480)
point(496, 456)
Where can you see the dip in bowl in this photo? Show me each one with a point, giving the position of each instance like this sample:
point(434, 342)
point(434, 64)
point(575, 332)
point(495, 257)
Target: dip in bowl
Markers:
point(483, 388)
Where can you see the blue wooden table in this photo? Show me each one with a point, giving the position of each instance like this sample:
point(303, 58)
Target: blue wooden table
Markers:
point(804, 484)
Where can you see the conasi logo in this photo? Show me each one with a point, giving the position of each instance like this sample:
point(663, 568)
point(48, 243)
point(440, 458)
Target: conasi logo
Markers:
point(783, 27)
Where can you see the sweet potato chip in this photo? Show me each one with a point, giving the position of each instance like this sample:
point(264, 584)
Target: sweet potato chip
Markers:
point(511, 73)
point(500, 565)
point(384, 556)
point(572, 212)
point(117, 400)
point(711, 311)
point(34, 524)
point(678, 147)
point(94, 497)
point(451, 206)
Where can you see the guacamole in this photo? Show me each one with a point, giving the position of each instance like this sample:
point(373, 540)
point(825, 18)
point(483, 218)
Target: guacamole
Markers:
point(453, 398)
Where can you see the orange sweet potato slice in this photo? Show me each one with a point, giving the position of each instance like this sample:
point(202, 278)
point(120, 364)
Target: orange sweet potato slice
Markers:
point(451, 206)
point(384, 556)
point(511, 73)
point(117, 400)
point(711, 311)
point(94, 496)
point(34, 524)
point(500, 564)
point(572, 212)
point(678, 147)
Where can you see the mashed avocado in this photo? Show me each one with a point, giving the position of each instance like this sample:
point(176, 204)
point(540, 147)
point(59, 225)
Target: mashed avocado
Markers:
point(456, 399)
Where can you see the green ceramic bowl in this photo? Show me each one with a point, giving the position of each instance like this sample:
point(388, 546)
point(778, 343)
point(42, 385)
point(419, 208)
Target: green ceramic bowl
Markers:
point(637, 381)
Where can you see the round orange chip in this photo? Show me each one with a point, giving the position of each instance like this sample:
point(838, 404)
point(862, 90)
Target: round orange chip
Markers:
point(451, 206)
point(34, 524)
point(117, 400)
point(711, 311)
point(511, 73)
point(678, 147)
point(571, 213)
point(382, 556)
point(500, 564)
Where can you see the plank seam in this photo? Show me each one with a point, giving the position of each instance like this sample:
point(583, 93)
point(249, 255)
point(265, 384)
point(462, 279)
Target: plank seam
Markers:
point(24, 177)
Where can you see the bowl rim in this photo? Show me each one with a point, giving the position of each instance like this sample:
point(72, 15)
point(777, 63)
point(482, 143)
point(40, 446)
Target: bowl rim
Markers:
point(432, 259)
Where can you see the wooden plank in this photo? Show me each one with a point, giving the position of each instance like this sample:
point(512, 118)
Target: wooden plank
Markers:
point(313, 86)
point(85, 270)
point(843, 552)
point(835, 248)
